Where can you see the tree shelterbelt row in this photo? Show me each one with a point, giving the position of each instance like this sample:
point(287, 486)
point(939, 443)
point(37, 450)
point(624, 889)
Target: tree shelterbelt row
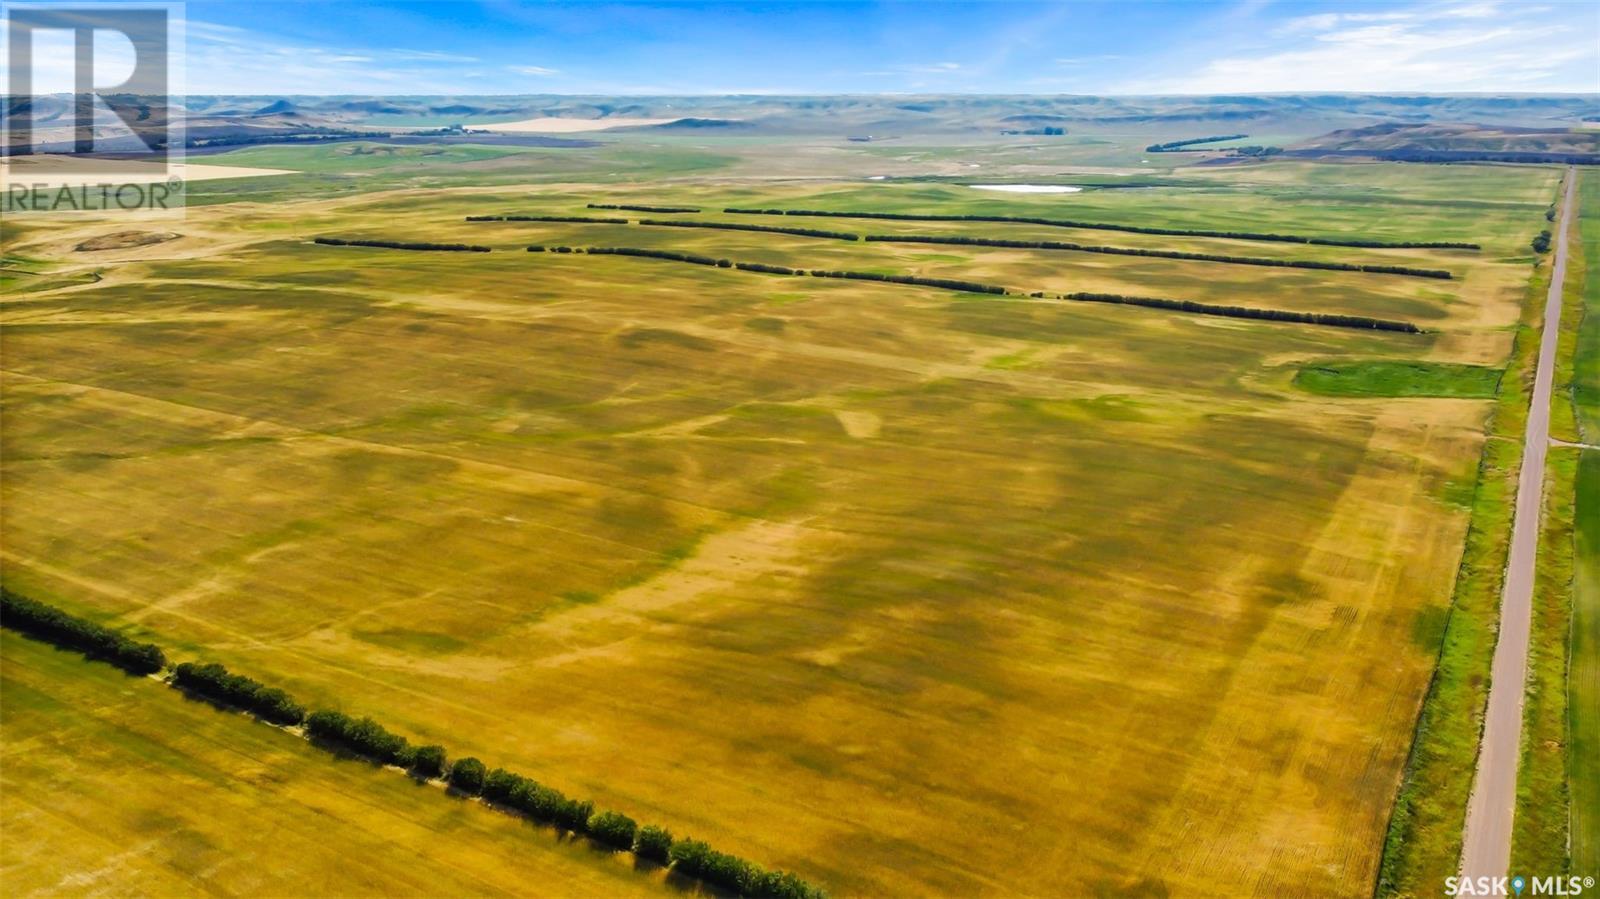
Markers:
point(960, 240)
point(335, 730)
point(1334, 320)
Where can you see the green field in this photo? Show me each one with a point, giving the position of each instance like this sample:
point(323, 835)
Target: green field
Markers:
point(1584, 734)
point(906, 590)
point(1398, 379)
point(361, 156)
point(1558, 812)
point(1583, 751)
point(336, 170)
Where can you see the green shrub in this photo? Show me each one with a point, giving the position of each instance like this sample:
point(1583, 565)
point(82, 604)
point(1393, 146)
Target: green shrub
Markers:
point(730, 872)
point(467, 775)
point(783, 885)
point(497, 787)
point(613, 829)
point(573, 814)
point(428, 761)
point(653, 843)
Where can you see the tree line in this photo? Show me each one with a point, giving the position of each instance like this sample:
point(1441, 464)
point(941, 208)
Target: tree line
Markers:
point(397, 245)
point(669, 223)
point(692, 258)
point(697, 859)
point(769, 269)
point(368, 738)
point(1249, 312)
point(50, 624)
point(734, 226)
point(1277, 315)
point(1131, 229)
point(308, 136)
point(539, 802)
point(1172, 145)
point(643, 208)
point(216, 683)
point(945, 283)
point(617, 831)
point(584, 219)
point(548, 805)
point(1163, 254)
point(1420, 154)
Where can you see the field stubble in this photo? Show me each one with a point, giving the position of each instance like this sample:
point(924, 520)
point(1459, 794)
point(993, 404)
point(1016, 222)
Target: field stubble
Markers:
point(906, 591)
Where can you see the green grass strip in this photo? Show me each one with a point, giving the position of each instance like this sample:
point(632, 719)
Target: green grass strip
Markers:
point(1383, 378)
point(1423, 843)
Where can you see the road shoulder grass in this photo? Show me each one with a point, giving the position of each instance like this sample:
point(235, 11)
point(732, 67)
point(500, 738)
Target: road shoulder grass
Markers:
point(1556, 802)
point(1423, 843)
point(1583, 743)
point(1583, 684)
point(1539, 831)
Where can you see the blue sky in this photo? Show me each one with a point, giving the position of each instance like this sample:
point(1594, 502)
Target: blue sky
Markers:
point(499, 46)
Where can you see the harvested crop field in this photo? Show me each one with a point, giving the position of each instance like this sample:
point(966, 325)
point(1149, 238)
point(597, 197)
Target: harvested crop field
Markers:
point(334, 826)
point(907, 590)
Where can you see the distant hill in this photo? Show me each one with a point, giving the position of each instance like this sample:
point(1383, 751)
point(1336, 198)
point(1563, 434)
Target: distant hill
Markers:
point(954, 114)
point(277, 107)
point(1325, 124)
point(1458, 136)
point(694, 123)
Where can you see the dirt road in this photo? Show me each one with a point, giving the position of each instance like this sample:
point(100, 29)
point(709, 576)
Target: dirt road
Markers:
point(1487, 848)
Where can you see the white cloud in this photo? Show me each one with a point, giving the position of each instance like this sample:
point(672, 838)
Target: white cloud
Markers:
point(1473, 47)
point(1071, 61)
point(429, 56)
point(223, 59)
point(533, 70)
point(935, 68)
point(1327, 20)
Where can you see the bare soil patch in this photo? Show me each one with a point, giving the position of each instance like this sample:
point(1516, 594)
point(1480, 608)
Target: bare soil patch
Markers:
point(124, 240)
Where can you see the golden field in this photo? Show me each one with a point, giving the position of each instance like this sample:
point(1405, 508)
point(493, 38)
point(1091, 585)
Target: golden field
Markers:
point(906, 590)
